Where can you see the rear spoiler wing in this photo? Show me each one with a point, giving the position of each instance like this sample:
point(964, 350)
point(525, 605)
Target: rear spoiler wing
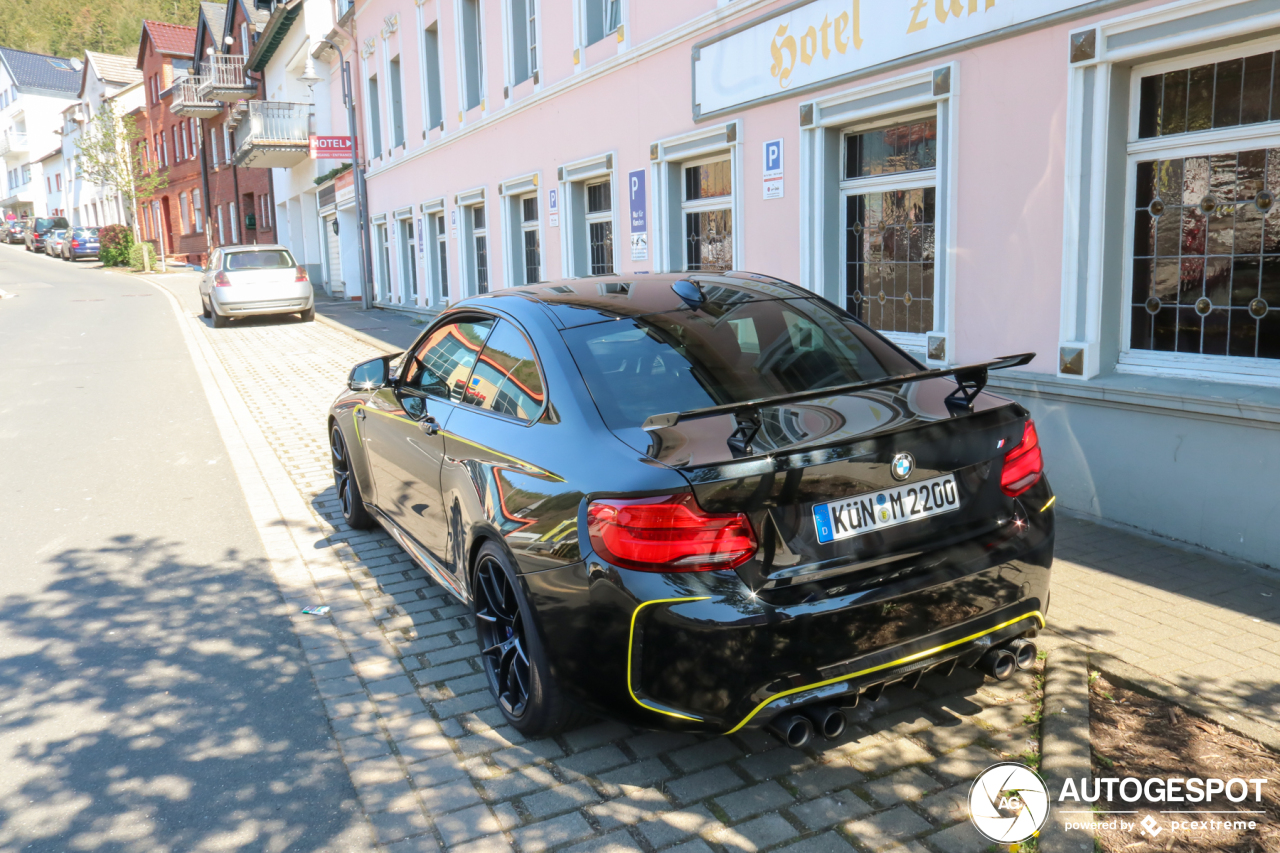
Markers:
point(970, 380)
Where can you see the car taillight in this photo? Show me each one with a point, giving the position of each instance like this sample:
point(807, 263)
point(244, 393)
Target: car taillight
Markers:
point(75, 244)
point(302, 274)
point(221, 280)
point(1023, 464)
point(669, 534)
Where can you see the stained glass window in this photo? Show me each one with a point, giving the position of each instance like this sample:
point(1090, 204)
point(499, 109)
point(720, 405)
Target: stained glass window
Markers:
point(1206, 255)
point(890, 259)
point(1221, 94)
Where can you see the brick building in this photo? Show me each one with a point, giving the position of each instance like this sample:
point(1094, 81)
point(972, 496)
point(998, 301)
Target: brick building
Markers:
point(171, 219)
point(238, 206)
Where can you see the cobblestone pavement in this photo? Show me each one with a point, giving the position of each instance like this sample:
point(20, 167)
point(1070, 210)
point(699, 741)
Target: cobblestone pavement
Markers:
point(1210, 626)
point(436, 767)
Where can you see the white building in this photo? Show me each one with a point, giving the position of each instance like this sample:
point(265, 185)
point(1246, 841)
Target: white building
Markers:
point(34, 91)
point(317, 222)
point(106, 77)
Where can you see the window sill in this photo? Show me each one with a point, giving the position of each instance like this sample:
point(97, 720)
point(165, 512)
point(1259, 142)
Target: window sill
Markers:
point(1170, 395)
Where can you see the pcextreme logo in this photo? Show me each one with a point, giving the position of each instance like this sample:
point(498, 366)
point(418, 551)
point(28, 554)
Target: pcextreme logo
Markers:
point(1008, 803)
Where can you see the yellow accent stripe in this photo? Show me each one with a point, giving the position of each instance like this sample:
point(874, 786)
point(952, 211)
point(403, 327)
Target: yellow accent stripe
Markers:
point(526, 466)
point(1049, 504)
point(631, 644)
point(908, 659)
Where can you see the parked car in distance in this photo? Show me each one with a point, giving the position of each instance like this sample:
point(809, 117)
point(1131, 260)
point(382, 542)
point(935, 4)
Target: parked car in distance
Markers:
point(81, 243)
point(243, 281)
point(708, 501)
point(15, 231)
point(53, 242)
point(40, 228)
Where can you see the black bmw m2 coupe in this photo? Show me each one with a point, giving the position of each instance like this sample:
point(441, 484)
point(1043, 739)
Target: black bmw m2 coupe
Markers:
point(702, 502)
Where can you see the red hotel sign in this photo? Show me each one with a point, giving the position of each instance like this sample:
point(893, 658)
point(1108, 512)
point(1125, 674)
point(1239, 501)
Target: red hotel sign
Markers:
point(331, 148)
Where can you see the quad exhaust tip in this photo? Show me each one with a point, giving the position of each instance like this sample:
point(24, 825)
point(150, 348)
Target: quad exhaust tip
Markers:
point(794, 730)
point(828, 720)
point(1024, 652)
point(999, 663)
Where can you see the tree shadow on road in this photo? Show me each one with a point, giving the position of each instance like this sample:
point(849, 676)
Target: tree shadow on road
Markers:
point(151, 703)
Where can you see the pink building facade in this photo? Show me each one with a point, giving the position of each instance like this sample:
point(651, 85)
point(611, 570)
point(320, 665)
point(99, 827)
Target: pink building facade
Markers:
point(1093, 182)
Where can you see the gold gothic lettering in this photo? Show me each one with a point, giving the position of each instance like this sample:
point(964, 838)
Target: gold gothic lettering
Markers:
point(816, 41)
point(943, 9)
point(779, 69)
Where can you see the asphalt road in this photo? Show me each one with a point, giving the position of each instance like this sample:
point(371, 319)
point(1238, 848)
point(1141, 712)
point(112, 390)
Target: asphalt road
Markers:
point(152, 694)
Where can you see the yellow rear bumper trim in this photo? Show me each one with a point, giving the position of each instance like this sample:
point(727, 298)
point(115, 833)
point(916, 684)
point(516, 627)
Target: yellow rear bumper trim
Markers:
point(631, 644)
point(899, 662)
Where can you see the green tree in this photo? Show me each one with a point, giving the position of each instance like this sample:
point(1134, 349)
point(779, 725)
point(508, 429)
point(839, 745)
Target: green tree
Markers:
point(110, 156)
point(69, 27)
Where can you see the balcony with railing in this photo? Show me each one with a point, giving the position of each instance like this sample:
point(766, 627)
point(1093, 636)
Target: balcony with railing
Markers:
point(225, 79)
point(187, 101)
point(13, 142)
point(273, 135)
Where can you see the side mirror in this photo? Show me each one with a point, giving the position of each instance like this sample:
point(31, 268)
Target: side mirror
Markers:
point(372, 374)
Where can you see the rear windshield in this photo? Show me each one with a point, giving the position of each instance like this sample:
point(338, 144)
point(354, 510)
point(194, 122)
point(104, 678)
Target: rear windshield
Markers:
point(266, 259)
point(46, 223)
point(686, 360)
point(87, 233)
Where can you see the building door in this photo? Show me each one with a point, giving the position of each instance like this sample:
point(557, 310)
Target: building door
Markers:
point(333, 257)
point(166, 229)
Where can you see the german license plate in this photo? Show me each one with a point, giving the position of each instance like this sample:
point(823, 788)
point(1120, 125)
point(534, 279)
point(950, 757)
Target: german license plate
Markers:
point(887, 508)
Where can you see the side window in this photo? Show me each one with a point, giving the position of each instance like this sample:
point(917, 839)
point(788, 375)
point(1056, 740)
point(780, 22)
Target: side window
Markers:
point(506, 378)
point(441, 365)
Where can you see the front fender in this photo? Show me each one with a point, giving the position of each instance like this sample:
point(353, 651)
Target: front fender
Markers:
point(343, 415)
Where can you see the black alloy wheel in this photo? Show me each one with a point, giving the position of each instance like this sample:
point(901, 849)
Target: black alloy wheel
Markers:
point(344, 481)
point(500, 628)
point(511, 651)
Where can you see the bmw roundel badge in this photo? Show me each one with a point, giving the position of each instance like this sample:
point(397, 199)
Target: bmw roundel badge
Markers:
point(903, 465)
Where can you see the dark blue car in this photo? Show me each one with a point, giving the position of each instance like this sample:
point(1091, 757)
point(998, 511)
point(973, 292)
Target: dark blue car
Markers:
point(83, 243)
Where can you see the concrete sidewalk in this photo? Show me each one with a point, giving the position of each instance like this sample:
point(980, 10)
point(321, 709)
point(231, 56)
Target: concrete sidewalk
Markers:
point(385, 328)
point(1210, 626)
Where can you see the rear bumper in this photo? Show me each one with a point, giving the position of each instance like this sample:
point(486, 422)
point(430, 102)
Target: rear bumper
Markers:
point(701, 652)
point(265, 306)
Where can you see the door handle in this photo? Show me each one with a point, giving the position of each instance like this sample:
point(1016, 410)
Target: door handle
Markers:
point(360, 414)
point(429, 425)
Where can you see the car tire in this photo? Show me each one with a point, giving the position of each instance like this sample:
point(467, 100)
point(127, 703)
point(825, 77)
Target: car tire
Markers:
point(204, 309)
point(219, 321)
point(348, 487)
point(309, 315)
point(511, 652)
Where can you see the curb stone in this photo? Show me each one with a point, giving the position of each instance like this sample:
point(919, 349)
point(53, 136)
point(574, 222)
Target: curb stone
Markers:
point(1064, 736)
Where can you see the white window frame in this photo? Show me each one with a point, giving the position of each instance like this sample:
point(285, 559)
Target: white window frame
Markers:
point(512, 194)
point(1195, 143)
point(183, 212)
point(530, 48)
point(707, 205)
point(382, 253)
point(435, 238)
point(573, 213)
point(913, 180)
point(473, 253)
point(668, 158)
point(408, 296)
point(582, 21)
point(461, 54)
point(822, 240)
point(601, 217)
point(425, 73)
point(526, 227)
point(1091, 336)
point(197, 211)
point(227, 150)
point(235, 222)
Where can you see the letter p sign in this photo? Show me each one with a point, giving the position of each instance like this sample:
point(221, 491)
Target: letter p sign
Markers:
point(773, 169)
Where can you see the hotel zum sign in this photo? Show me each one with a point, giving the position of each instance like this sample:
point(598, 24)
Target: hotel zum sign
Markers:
point(805, 45)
